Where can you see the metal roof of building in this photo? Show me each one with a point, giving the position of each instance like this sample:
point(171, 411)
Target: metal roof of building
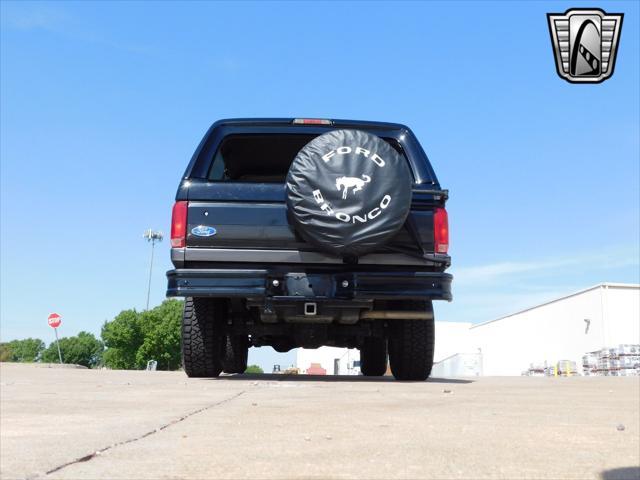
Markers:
point(574, 294)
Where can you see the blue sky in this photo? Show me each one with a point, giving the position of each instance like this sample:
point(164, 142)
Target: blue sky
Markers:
point(102, 105)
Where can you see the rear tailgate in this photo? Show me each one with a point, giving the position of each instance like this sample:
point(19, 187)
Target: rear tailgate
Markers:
point(254, 216)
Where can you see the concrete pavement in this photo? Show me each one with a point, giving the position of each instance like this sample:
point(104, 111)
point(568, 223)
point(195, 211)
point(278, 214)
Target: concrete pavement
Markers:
point(64, 423)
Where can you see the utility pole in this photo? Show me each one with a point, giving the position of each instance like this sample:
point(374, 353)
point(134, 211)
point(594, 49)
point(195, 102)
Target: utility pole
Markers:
point(152, 237)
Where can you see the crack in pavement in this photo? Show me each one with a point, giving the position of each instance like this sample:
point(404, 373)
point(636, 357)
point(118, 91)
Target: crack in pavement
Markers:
point(100, 451)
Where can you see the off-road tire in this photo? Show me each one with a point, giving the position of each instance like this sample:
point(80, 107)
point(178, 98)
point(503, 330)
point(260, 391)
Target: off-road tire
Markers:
point(373, 357)
point(411, 344)
point(235, 355)
point(202, 342)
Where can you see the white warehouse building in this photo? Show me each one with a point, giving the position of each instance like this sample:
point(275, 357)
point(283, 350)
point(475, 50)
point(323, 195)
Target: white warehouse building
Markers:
point(602, 316)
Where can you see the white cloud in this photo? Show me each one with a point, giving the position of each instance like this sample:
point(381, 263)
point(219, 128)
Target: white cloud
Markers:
point(502, 271)
point(35, 17)
point(54, 19)
point(486, 292)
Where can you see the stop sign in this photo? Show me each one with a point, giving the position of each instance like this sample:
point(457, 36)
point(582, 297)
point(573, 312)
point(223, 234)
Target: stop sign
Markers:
point(54, 320)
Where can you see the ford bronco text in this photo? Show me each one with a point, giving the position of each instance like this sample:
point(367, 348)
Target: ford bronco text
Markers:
point(307, 232)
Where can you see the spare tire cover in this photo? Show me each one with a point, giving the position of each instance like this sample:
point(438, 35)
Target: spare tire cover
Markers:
point(348, 192)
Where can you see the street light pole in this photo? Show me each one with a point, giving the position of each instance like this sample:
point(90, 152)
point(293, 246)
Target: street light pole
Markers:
point(152, 237)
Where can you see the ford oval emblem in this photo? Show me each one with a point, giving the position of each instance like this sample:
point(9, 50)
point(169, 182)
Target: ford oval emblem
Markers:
point(203, 231)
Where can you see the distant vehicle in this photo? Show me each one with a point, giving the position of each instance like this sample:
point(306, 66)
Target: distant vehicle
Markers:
point(305, 232)
point(316, 369)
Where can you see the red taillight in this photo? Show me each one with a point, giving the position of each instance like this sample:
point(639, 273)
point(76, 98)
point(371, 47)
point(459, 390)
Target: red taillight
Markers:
point(179, 224)
point(441, 230)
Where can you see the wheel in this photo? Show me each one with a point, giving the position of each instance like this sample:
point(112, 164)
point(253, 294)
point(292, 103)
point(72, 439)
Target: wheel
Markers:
point(235, 355)
point(411, 345)
point(373, 357)
point(202, 342)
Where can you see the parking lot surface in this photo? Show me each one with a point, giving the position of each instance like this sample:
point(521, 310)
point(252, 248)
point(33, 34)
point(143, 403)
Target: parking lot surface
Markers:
point(72, 423)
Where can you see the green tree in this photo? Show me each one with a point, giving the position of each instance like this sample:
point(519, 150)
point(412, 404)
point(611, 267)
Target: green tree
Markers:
point(6, 354)
point(254, 369)
point(133, 338)
point(83, 349)
point(27, 350)
point(161, 330)
point(122, 337)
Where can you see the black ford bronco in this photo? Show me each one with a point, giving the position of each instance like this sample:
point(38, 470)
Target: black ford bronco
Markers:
point(309, 232)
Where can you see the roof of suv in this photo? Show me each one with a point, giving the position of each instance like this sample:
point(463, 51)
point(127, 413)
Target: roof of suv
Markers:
point(335, 122)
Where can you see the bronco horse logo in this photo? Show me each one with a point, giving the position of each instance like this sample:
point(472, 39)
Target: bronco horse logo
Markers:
point(344, 183)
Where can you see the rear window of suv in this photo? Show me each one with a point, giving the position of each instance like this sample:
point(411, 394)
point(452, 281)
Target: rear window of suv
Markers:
point(263, 158)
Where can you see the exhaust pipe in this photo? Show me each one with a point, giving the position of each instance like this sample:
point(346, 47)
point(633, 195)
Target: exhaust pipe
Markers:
point(396, 315)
